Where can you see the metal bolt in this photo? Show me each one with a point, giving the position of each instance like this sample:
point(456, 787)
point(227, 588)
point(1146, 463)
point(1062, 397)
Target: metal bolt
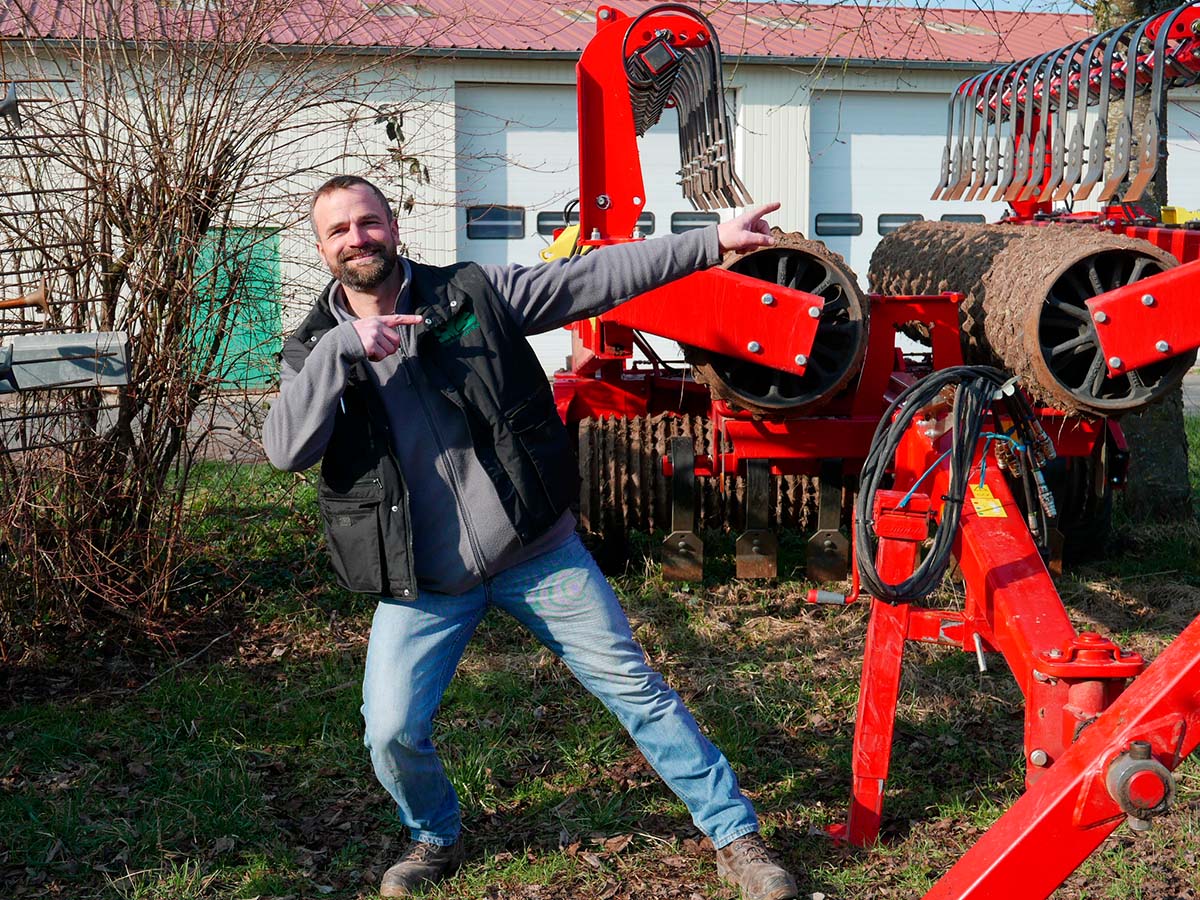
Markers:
point(683, 546)
point(1162, 347)
point(406, 592)
point(429, 321)
point(1147, 300)
point(1054, 654)
point(1039, 758)
point(768, 299)
point(595, 234)
point(1139, 750)
point(603, 201)
point(801, 359)
point(637, 201)
point(754, 347)
point(814, 312)
point(1114, 362)
point(453, 303)
point(395, 509)
point(604, 15)
point(1136, 824)
point(1101, 317)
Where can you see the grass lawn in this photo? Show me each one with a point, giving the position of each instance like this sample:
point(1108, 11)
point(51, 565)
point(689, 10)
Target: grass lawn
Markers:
point(233, 766)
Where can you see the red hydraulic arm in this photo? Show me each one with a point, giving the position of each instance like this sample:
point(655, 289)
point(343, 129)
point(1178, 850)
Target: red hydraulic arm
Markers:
point(1118, 768)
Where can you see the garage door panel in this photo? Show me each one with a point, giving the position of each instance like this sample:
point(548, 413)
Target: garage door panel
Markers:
point(518, 146)
point(875, 153)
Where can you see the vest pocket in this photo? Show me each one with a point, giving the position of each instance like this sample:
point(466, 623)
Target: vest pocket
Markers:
point(543, 438)
point(352, 534)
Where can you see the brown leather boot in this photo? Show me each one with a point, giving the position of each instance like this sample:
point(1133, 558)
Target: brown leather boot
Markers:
point(747, 864)
point(421, 865)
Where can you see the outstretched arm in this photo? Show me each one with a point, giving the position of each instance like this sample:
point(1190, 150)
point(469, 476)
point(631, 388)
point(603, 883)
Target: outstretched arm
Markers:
point(549, 295)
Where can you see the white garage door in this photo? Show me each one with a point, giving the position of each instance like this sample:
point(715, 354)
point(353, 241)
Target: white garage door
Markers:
point(875, 161)
point(517, 148)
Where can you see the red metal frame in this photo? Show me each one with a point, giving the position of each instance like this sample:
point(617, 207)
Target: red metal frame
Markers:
point(1082, 723)
point(612, 193)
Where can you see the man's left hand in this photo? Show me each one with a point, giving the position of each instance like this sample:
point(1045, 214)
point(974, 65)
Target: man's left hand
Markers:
point(747, 231)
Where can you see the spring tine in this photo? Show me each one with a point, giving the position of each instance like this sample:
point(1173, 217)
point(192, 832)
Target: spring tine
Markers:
point(1023, 163)
point(956, 99)
point(1149, 145)
point(1124, 142)
point(964, 155)
point(1098, 140)
point(689, 140)
point(984, 146)
point(1055, 70)
point(1062, 109)
point(1083, 99)
point(1008, 138)
point(997, 155)
point(991, 101)
point(967, 153)
point(1037, 156)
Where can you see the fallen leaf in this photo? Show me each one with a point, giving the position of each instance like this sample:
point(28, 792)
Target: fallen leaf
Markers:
point(618, 843)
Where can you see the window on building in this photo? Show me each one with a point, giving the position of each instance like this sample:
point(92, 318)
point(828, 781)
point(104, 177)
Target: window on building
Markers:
point(839, 224)
point(968, 218)
point(495, 223)
point(889, 222)
point(550, 222)
point(690, 221)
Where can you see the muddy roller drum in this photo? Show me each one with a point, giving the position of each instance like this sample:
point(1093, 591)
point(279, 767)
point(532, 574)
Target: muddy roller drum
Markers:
point(1025, 290)
point(838, 348)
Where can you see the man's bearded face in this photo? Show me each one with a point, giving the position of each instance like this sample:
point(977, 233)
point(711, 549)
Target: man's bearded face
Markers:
point(364, 267)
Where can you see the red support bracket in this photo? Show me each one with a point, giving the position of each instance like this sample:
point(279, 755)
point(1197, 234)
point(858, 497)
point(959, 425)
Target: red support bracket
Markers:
point(1117, 768)
point(1148, 321)
point(901, 531)
point(731, 314)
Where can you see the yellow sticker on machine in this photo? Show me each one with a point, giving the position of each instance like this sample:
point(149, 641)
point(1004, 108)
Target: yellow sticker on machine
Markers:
point(986, 505)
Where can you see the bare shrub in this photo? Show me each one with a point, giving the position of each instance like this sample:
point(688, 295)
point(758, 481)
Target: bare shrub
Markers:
point(163, 145)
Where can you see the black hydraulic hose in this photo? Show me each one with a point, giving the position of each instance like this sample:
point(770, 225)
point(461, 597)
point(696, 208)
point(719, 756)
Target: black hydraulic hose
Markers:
point(975, 388)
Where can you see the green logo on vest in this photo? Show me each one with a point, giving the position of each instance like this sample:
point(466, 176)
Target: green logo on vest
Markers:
point(461, 325)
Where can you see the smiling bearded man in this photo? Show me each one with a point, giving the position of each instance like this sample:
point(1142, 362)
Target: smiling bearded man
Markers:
point(446, 487)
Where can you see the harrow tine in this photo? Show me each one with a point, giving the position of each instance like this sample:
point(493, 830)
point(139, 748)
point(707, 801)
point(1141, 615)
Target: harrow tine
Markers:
point(988, 145)
point(1008, 167)
point(1083, 97)
point(944, 178)
point(1149, 144)
point(951, 162)
point(1024, 164)
point(1124, 143)
point(1037, 159)
point(967, 154)
point(1099, 137)
point(992, 164)
point(1062, 109)
point(959, 103)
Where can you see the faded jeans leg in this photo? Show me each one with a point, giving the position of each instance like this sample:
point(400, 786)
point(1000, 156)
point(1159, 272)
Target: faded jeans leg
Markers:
point(565, 601)
point(411, 657)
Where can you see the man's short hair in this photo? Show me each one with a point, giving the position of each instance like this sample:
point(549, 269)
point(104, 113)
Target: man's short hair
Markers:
point(341, 183)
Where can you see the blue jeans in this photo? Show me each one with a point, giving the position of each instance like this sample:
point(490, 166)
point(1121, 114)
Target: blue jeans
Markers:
point(564, 600)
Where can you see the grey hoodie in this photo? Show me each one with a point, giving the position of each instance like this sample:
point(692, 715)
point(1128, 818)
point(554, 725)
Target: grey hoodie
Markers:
point(461, 534)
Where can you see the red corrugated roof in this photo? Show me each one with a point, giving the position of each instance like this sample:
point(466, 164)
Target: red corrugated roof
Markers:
point(784, 30)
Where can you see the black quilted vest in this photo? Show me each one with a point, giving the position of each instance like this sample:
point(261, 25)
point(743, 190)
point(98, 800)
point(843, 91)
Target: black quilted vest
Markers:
point(471, 350)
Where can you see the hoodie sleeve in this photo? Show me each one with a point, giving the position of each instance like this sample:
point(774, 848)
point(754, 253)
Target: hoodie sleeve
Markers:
point(300, 421)
point(549, 295)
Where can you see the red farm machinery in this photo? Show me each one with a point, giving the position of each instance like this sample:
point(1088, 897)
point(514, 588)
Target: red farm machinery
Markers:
point(987, 448)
